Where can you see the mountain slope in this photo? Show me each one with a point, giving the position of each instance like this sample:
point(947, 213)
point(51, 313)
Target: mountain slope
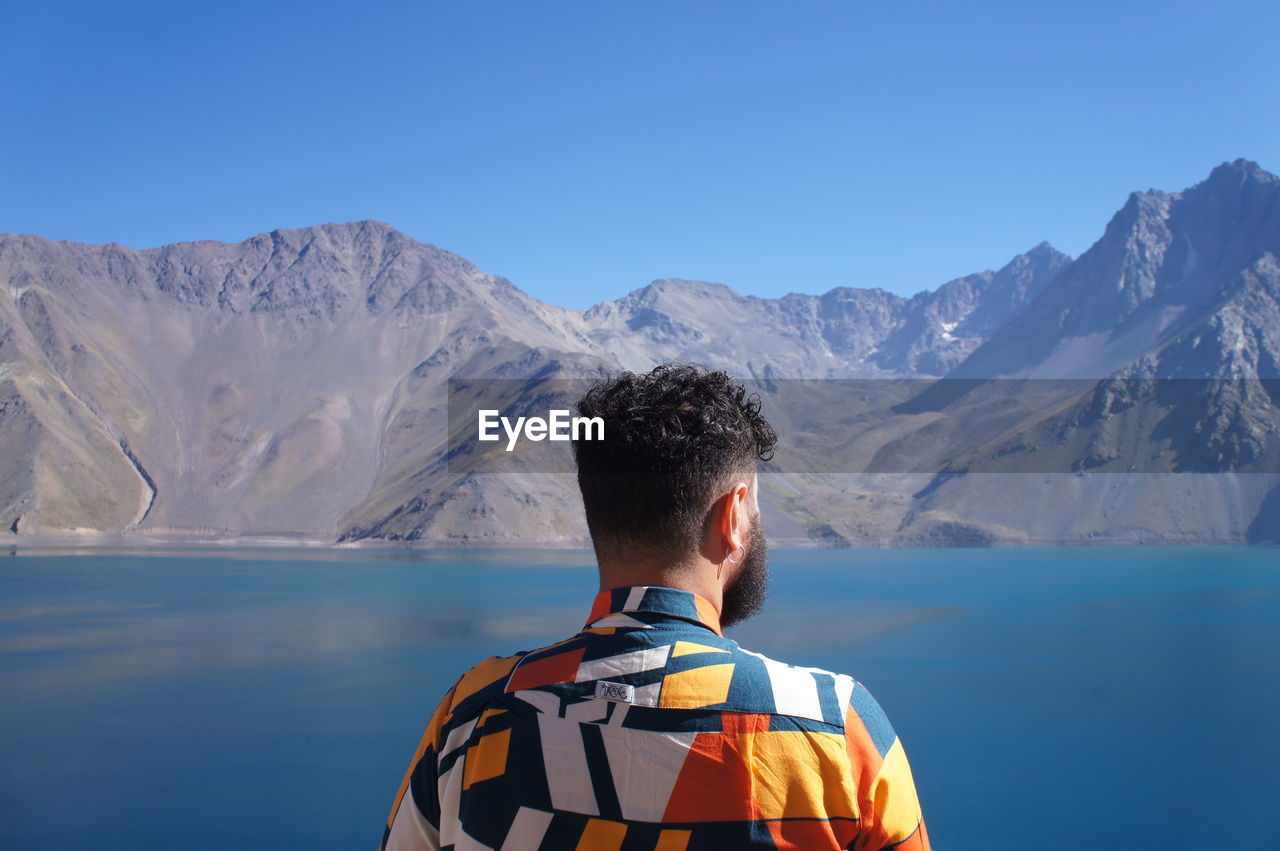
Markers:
point(252, 382)
point(844, 333)
point(294, 385)
point(1168, 265)
point(1176, 310)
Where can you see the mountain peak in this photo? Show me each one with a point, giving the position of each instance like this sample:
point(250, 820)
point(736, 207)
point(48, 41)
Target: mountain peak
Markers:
point(368, 235)
point(683, 287)
point(1044, 248)
point(1041, 255)
point(342, 230)
point(360, 226)
point(685, 283)
point(1240, 171)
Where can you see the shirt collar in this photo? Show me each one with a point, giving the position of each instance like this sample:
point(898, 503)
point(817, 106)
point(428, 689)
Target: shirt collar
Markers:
point(657, 600)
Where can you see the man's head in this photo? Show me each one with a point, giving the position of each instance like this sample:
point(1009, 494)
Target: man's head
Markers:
point(674, 482)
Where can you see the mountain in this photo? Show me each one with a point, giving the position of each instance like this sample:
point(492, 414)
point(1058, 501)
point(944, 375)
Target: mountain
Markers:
point(1180, 285)
point(1176, 312)
point(293, 385)
point(262, 387)
point(865, 333)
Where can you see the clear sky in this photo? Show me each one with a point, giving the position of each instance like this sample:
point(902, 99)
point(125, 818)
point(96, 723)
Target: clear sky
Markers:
point(582, 149)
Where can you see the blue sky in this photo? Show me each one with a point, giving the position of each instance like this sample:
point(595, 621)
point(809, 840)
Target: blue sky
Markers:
point(584, 149)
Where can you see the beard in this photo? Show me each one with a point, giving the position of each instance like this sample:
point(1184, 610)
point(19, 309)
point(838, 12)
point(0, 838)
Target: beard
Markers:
point(745, 595)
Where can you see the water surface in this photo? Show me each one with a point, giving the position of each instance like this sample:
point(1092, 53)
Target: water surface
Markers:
point(1052, 699)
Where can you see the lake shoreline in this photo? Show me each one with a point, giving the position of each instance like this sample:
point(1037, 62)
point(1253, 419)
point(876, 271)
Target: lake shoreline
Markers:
point(195, 545)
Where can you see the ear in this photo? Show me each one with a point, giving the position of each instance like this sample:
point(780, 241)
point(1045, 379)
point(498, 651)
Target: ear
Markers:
point(734, 517)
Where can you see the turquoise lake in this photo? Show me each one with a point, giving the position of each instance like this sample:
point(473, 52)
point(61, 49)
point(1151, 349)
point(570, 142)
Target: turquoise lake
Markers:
point(1048, 699)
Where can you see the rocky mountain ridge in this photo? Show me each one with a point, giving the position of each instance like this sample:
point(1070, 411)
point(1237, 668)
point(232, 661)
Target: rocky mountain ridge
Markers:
point(292, 385)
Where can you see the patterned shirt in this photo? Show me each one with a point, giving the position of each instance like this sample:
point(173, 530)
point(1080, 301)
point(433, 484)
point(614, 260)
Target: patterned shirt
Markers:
point(649, 730)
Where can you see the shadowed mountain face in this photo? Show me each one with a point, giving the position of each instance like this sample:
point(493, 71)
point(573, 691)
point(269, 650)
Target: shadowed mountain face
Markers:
point(293, 385)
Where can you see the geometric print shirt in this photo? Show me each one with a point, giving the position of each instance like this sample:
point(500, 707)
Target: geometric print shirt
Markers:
point(651, 731)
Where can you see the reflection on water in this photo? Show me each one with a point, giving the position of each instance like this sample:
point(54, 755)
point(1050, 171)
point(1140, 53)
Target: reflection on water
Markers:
point(145, 641)
point(253, 698)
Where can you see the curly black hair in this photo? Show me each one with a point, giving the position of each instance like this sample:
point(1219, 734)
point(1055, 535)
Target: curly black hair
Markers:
point(672, 440)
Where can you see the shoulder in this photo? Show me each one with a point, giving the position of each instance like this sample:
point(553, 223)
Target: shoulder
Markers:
point(867, 718)
point(480, 683)
point(817, 695)
point(798, 691)
point(488, 679)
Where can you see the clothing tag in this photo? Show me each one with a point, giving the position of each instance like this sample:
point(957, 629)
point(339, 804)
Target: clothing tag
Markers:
point(616, 691)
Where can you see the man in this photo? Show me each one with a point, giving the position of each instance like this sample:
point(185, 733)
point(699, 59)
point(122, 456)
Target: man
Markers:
point(649, 729)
